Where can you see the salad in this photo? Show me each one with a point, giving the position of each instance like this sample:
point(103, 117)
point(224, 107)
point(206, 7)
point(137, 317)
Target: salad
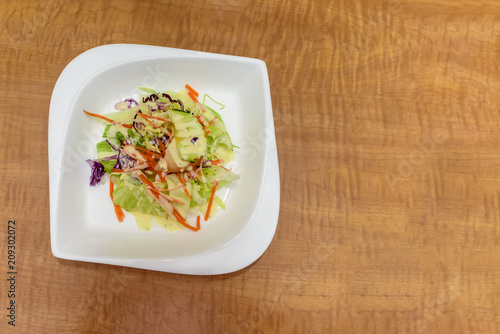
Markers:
point(164, 156)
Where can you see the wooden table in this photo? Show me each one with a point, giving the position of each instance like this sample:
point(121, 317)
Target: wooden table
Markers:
point(387, 124)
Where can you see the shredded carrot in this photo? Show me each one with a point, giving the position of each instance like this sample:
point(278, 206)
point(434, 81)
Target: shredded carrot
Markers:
point(195, 93)
point(147, 120)
point(178, 216)
point(145, 180)
point(118, 210)
point(183, 185)
point(111, 189)
point(107, 119)
point(154, 117)
point(225, 168)
point(183, 221)
point(155, 191)
point(212, 120)
point(146, 155)
point(162, 147)
point(143, 150)
point(128, 169)
point(161, 176)
point(187, 193)
point(212, 196)
point(151, 165)
point(202, 121)
point(170, 198)
point(148, 159)
point(198, 222)
point(180, 179)
point(170, 189)
point(191, 95)
point(192, 173)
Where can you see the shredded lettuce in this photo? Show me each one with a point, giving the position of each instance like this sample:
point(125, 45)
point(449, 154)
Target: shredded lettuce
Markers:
point(133, 197)
point(164, 155)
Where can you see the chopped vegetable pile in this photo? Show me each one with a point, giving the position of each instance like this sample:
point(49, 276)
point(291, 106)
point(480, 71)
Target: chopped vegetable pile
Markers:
point(164, 156)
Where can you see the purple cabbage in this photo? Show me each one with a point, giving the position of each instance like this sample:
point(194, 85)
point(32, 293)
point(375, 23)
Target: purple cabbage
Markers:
point(112, 146)
point(164, 139)
point(194, 139)
point(172, 101)
point(137, 126)
point(150, 98)
point(182, 105)
point(154, 98)
point(118, 164)
point(130, 101)
point(126, 104)
point(113, 157)
point(124, 161)
point(168, 97)
point(97, 171)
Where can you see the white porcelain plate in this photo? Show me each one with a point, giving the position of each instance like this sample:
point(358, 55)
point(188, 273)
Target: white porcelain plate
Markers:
point(83, 224)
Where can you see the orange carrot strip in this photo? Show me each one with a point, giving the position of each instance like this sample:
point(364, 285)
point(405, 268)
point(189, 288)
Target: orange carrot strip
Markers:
point(161, 176)
point(212, 120)
point(170, 189)
point(183, 221)
point(170, 198)
point(180, 179)
point(151, 165)
point(147, 157)
point(154, 117)
point(212, 196)
point(191, 95)
point(162, 147)
point(118, 210)
point(195, 93)
point(147, 120)
point(198, 222)
point(127, 170)
point(183, 185)
point(148, 183)
point(154, 190)
point(201, 120)
point(107, 119)
point(143, 150)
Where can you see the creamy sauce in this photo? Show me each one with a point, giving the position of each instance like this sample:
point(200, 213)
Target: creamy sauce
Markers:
point(144, 220)
point(213, 210)
point(168, 223)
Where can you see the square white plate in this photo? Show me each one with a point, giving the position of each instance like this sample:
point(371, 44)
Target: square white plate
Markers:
point(83, 225)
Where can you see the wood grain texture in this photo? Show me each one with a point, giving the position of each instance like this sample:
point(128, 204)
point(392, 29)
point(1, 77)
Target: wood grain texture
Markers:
point(387, 124)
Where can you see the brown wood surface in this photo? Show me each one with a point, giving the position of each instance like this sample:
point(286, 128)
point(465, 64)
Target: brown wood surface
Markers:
point(387, 125)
